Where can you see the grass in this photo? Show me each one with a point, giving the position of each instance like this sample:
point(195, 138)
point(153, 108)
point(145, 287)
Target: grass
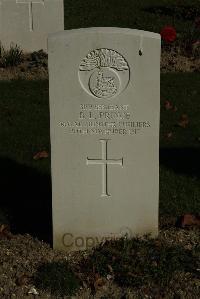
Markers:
point(182, 90)
point(145, 15)
point(179, 155)
point(26, 183)
point(25, 122)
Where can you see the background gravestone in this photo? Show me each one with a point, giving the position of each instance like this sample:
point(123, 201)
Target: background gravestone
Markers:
point(104, 113)
point(27, 22)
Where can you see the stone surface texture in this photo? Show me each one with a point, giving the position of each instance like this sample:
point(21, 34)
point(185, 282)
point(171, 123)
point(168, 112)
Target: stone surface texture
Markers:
point(28, 22)
point(104, 114)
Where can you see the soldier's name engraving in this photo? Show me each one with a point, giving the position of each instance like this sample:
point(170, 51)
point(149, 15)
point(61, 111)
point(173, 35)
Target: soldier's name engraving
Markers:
point(104, 115)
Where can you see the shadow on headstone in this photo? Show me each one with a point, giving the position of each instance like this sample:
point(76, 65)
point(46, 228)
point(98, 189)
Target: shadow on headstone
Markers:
point(26, 197)
point(181, 160)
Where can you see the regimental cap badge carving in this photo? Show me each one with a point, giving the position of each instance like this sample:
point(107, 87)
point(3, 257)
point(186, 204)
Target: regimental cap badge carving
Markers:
point(103, 58)
point(104, 73)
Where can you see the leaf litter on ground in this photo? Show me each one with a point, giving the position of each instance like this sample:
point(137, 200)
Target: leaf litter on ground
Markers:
point(40, 155)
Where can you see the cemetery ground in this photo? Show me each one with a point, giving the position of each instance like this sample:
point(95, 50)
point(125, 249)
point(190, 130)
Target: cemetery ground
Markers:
point(167, 267)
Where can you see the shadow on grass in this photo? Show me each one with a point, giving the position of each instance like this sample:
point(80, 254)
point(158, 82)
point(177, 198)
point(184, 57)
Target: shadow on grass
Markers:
point(26, 197)
point(181, 160)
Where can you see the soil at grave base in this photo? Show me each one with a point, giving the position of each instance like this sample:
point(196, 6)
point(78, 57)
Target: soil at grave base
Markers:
point(31, 70)
point(20, 256)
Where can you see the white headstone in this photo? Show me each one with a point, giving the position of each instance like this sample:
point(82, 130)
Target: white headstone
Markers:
point(28, 22)
point(104, 114)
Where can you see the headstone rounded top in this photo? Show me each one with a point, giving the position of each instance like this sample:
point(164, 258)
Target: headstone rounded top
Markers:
point(104, 30)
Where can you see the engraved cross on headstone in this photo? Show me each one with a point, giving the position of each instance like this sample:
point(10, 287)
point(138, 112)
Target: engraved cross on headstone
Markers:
point(30, 8)
point(104, 162)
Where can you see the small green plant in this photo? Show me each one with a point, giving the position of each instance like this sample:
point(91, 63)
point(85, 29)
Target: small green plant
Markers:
point(11, 57)
point(58, 278)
